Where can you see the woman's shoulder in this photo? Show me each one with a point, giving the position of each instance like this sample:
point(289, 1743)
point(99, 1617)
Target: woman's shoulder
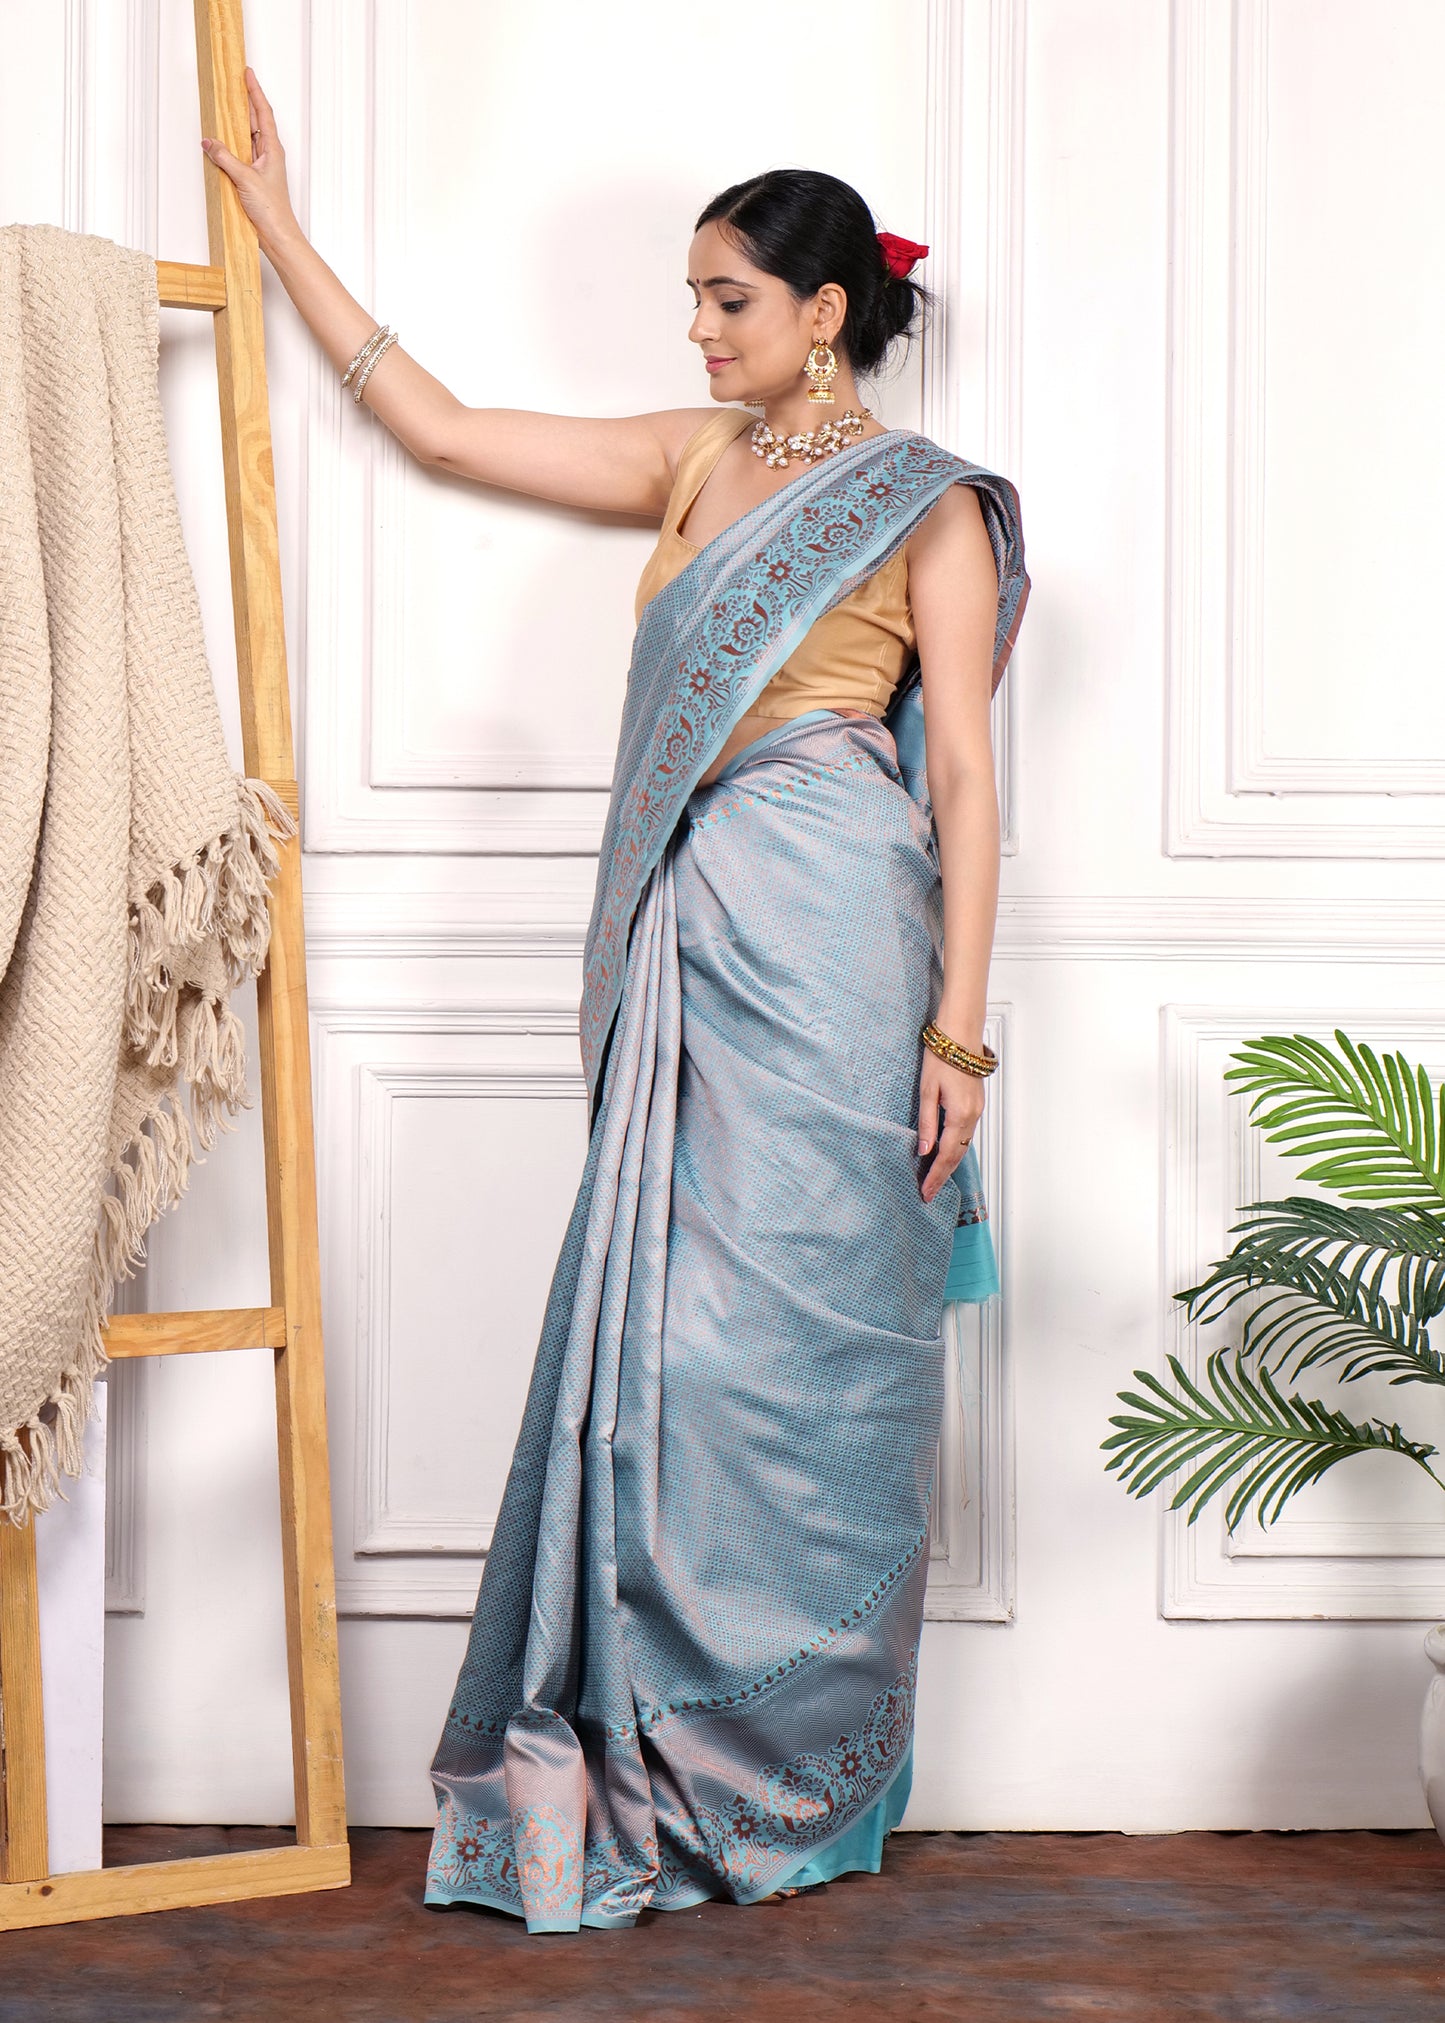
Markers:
point(955, 510)
point(681, 428)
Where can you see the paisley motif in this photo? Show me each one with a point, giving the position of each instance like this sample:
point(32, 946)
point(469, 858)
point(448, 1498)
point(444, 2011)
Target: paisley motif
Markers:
point(797, 1805)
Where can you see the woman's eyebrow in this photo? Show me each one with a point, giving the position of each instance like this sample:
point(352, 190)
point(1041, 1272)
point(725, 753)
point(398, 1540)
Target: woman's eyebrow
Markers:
point(721, 281)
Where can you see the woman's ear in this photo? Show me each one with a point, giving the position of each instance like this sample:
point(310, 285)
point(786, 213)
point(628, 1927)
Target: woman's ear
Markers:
point(830, 308)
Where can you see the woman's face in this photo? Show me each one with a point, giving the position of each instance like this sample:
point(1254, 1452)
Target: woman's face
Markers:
point(753, 333)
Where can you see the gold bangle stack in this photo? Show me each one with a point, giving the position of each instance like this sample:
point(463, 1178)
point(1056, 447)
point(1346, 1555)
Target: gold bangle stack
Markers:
point(958, 1056)
point(365, 361)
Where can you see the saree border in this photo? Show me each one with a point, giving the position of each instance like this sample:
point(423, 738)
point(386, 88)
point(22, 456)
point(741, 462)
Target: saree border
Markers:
point(734, 635)
point(538, 1866)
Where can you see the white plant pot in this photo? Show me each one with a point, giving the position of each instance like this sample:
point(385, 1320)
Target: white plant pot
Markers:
point(1432, 1730)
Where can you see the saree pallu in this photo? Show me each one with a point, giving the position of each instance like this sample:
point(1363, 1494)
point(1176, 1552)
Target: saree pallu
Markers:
point(691, 1670)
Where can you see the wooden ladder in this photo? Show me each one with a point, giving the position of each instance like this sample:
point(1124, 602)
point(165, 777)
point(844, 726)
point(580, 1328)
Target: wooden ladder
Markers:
point(291, 1324)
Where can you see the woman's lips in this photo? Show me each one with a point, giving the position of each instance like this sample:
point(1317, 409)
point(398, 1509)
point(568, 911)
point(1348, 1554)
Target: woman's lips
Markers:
point(716, 364)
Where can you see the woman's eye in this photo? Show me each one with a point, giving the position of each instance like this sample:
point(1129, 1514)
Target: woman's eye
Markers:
point(732, 306)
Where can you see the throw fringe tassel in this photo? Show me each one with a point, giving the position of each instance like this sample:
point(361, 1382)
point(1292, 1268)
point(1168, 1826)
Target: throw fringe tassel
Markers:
point(150, 1176)
point(223, 891)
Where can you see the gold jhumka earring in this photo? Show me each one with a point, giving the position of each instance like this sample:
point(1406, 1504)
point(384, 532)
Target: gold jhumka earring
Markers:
point(821, 375)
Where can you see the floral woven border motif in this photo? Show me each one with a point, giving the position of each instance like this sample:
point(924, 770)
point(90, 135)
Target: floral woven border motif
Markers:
point(533, 1863)
point(795, 1806)
point(704, 649)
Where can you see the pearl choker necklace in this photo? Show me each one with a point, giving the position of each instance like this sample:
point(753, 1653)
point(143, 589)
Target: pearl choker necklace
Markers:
point(777, 452)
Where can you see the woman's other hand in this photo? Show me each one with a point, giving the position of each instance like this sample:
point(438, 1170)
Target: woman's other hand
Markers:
point(261, 182)
point(950, 1103)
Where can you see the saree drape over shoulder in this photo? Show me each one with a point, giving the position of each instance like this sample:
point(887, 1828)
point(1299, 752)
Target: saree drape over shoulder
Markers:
point(691, 1669)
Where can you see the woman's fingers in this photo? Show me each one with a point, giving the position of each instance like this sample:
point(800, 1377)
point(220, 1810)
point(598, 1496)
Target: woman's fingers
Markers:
point(930, 1104)
point(951, 1148)
point(261, 182)
point(224, 159)
point(927, 1117)
point(955, 1097)
point(263, 119)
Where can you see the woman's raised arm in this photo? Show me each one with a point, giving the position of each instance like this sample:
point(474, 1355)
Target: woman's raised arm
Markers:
point(621, 466)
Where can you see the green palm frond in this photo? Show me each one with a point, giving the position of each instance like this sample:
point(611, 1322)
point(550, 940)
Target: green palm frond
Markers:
point(1324, 1310)
point(1306, 1226)
point(1374, 1128)
point(1243, 1426)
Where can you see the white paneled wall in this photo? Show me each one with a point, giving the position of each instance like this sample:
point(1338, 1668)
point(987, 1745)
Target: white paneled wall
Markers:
point(447, 1125)
point(1306, 497)
point(1191, 290)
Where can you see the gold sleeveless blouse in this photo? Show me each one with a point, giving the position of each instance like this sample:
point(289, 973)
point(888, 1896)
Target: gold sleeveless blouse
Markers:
point(850, 659)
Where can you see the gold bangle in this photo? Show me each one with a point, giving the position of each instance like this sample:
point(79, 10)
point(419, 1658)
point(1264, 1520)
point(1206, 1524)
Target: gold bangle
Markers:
point(957, 1055)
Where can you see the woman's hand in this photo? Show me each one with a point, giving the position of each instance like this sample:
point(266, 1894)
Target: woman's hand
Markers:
point(261, 182)
point(950, 1103)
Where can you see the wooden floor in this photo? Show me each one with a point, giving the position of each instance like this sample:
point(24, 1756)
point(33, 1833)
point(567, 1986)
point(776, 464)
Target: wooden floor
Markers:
point(983, 1927)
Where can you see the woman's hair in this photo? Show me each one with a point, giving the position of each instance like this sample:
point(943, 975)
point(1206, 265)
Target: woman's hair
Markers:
point(808, 228)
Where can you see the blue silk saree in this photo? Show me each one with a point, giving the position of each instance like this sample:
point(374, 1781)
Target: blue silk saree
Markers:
point(691, 1669)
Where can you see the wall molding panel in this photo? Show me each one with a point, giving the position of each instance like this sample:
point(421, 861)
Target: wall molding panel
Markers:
point(1228, 794)
point(1126, 927)
point(110, 145)
point(1303, 1568)
point(125, 1497)
point(971, 1551)
point(395, 760)
point(973, 224)
point(380, 926)
point(1198, 927)
point(397, 1554)
point(367, 789)
point(383, 1524)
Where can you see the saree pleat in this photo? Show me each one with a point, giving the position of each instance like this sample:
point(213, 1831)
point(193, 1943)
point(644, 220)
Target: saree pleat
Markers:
point(736, 1405)
point(692, 1665)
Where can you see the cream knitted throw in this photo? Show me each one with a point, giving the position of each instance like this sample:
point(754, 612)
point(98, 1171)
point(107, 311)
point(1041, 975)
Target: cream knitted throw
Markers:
point(133, 858)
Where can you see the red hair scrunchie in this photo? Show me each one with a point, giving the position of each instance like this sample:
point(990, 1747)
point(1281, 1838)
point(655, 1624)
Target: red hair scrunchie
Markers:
point(900, 256)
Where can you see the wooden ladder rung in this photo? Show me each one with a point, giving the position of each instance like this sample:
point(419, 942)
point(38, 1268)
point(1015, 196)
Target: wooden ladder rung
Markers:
point(173, 1885)
point(183, 287)
point(195, 1334)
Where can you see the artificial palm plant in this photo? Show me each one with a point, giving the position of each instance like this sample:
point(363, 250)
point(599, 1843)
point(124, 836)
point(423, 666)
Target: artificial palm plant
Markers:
point(1350, 1289)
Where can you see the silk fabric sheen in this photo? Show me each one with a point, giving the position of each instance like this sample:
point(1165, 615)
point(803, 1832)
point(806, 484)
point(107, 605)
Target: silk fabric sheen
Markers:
point(691, 1669)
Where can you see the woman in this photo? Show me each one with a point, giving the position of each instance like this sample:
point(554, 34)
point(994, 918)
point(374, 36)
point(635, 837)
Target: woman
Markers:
point(691, 1668)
